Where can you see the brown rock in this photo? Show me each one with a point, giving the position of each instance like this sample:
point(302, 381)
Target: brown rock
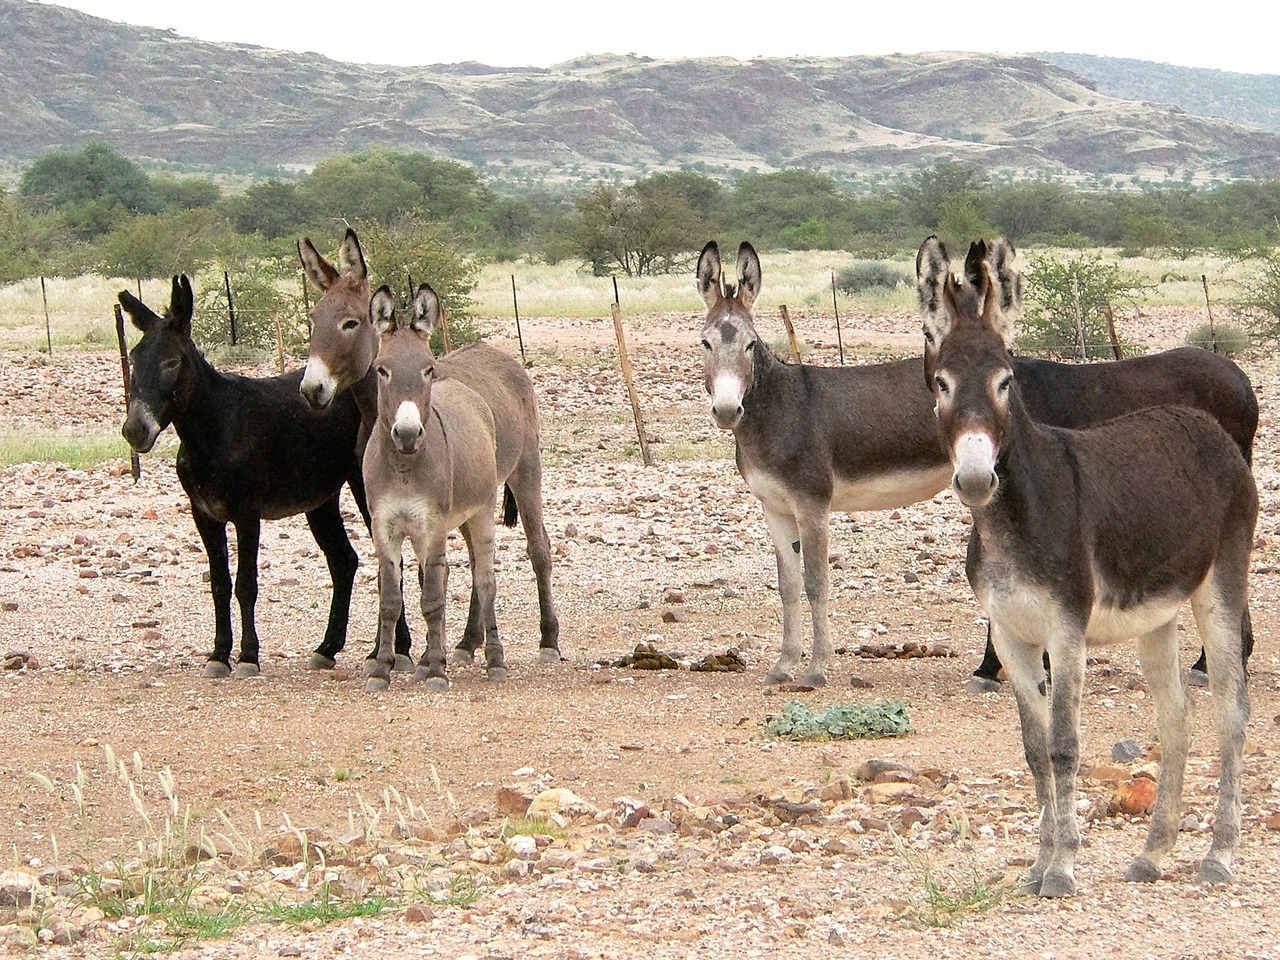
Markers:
point(419, 913)
point(514, 801)
point(1135, 797)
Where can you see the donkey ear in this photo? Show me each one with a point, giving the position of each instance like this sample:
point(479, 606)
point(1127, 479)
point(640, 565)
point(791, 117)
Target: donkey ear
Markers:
point(748, 275)
point(708, 274)
point(974, 261)
point(142, 316)
point(382, 308)
point(1001, 258)
point(426, 310)
point(352, 254)
point(993, 313)
point(319, 270)
point(933, 268)
point(182, 304)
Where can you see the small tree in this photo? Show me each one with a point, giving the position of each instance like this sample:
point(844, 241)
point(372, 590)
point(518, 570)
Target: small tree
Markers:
point(1259, 302)
point(1051, 322)
point(264, 291)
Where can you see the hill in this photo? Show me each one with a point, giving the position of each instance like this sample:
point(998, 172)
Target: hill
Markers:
point(170, 100)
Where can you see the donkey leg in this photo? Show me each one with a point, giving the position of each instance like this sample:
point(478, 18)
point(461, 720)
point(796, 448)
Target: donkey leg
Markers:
point(331, 535)
point(1065, 695)
point(355, 482)
point(213, 533)
point(473, 633)
point(1158, 655)
point(1022, 663)
point(525, 489)
point(814, 536)
point(481, 531)
point(434, 576)
point(986, 679)
point(1199, 676)
point(785, 533)
point(390, 608)
point(1219, 623)
point(248, 534)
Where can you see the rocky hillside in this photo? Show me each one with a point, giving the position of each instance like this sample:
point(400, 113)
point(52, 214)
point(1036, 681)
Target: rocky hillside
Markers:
point(162, 98)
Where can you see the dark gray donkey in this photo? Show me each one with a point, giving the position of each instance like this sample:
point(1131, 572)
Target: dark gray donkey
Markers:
point(1084, 537)
point(429, 467)
point(811, 440)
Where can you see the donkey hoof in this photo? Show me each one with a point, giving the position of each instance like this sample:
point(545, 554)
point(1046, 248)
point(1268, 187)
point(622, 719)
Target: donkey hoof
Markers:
point(497, 674)
point(1213, 873)
point(371, 666)
point(777, 675)
point(246, 670)
point(1028, 886)
point(403, 664)
point(1143, 871)
point(1197, 678)
point(318, 661)
point(461, 657)
point(549, 655)
point(217, 670)
point(981, 685)
point(1058, 885)
point(814, 679)
point(377, 685)
point(431, 684)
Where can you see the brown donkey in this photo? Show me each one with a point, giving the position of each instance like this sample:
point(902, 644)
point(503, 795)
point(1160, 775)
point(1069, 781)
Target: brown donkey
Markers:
point(1084, 537)
point(811, 440)
point(344, 342)
point(429, 467)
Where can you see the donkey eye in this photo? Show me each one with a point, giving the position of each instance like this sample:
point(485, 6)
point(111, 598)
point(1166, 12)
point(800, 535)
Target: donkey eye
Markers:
point(384, 373)
point(751, 346)
point(1005, 383)
point(350, 325)
point(941, 386)
point(171, 365)
point(706, 345)
point(928, 337)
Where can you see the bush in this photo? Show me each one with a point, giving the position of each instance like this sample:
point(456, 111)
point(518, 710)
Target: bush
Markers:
point(1230, 341)
point(868, 275)
point(1050, 323)
point(262, 292)
point(1259, 303)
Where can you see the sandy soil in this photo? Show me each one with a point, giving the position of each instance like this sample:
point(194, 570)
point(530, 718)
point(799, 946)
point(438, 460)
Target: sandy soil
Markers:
point(745, 845)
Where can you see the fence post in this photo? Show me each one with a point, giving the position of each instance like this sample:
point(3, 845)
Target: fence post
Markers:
point(616, 309)
point(135, 463)
point(519, 336)
point(1213, 333)
point(835, 306)
point(48, 328)
point(791, 333)
point(1111, 330)
point(306, 301)
point(1075, 291)
point(231, 309)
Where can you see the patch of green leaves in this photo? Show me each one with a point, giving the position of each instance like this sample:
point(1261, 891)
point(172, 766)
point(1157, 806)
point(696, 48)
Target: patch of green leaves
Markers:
point(798, 721)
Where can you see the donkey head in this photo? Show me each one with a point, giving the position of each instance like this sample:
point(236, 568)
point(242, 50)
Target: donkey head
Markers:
point(933, 268)
point(343, 339)
point(972, 380)
point(406, 369)
point(729, 339)
point(161, 364)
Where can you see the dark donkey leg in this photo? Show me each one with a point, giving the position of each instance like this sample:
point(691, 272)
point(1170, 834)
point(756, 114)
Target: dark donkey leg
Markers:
point(248, 534)
point(326, 526)
point(213, 533)
point(403, 640)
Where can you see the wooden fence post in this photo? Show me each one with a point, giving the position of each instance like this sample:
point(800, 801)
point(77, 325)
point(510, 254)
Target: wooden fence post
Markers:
point(791, 333)
point(1075, 290)
point(616, 310)
point(1213, 332)
point(519, 336)
point(835, 306)
point(231, 309)
point(1111, 330)
point(135, 463)
point(48, 328)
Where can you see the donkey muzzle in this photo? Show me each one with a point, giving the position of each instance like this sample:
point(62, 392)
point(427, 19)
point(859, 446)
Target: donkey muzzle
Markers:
point(974, 460)
point(317, 386)
point(140, 429)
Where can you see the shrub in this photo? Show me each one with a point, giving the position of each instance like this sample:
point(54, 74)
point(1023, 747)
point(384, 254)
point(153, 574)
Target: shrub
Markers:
point(1223, 338)
point(1259, 302)
point(868, 275)
point(1050, 322)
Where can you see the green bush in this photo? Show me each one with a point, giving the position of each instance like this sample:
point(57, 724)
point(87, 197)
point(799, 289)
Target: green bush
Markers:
point(868, 275)
point(1259, 302)
point(1228, 340)
point(1051, 288)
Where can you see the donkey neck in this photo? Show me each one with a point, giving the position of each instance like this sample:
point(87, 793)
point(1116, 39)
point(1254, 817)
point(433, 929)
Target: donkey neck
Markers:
point(197, 402)
point(771, 381)
point(365, 393)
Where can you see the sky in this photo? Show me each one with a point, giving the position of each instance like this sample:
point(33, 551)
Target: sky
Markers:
point(545, 32)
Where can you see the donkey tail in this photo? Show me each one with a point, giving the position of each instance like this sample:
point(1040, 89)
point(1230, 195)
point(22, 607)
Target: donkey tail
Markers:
point(510, 513)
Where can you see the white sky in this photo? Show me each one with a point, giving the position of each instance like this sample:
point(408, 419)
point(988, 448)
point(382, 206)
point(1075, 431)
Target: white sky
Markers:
point(1228, 35)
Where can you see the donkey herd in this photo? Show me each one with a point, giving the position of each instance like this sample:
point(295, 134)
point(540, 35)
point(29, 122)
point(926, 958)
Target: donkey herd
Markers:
point(1103, 496)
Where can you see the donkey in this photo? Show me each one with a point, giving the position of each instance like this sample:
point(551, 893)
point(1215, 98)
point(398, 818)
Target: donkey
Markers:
point(811, 440)
point(1093, 536)
point(430, 465)
point(344, 343)
point(251, 450)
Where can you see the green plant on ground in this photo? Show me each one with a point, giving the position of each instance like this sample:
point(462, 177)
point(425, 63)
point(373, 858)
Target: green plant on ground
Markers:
point(1226, 339)
point(80, 452)
point(946, 898)
point(868, 275)
point(532, 827)
point(1258, 304)
point(798, 721)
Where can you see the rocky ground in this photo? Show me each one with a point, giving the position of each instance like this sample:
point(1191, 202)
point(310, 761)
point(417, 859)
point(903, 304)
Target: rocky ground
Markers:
point(584, 809)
